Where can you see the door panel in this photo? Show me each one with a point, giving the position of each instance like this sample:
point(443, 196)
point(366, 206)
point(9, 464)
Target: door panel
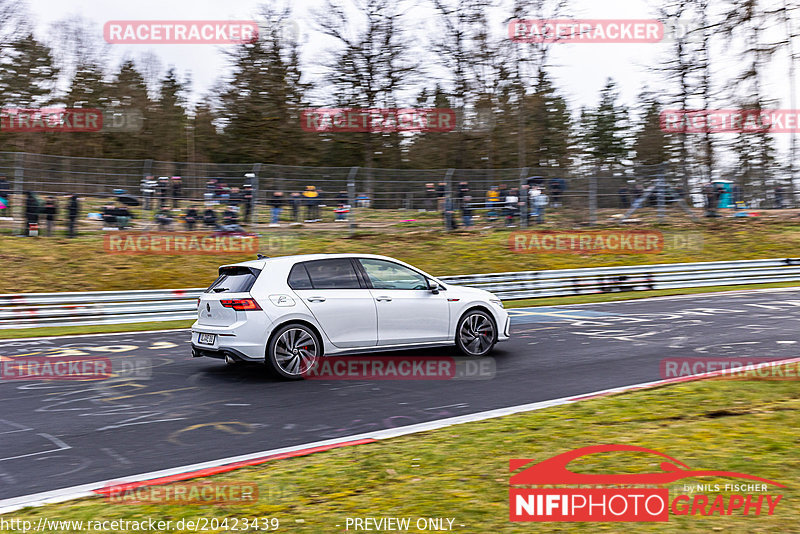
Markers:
point(407, 310)
point(344, 309)
point(411, 316)
point(348, 316)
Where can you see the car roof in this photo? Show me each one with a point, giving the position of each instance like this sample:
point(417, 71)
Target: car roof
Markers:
point(261, 263)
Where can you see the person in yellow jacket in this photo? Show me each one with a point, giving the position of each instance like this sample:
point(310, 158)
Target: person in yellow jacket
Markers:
point(311, 196)
point(493, 202)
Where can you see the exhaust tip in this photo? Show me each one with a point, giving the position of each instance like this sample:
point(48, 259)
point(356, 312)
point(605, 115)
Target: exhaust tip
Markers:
point(229, 360)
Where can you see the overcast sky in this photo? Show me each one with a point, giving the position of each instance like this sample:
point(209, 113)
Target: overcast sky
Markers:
point(580, 70)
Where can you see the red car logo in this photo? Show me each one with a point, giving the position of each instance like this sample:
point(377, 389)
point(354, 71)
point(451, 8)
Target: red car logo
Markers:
point(553, 471)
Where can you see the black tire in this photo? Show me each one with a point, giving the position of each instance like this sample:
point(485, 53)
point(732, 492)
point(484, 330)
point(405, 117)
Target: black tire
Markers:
point(292, 350)
point(476, 333)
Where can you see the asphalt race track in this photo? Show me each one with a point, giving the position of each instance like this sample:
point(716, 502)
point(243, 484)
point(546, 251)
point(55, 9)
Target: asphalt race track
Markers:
point(57, 434)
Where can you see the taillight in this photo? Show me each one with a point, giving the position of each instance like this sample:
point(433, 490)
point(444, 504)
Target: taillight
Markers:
point(241, 304)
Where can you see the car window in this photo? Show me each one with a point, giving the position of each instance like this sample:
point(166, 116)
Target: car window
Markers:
point(389, 275)
point(332, 274)
point(298, 277)
point(234, 280)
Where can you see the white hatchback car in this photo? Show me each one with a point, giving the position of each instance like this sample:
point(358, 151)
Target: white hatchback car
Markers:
point(290, 311)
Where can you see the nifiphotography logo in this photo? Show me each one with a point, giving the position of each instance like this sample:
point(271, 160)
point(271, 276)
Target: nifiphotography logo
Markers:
point(628, 496)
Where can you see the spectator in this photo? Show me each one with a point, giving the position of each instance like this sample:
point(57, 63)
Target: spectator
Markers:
point(441, 193)
point(177, 191)
point(223, 192)
point(190, 218)
point(5, 192)
point(448, 211)
point(343, 207)
point(463, 190)
point(511, 207)
point(109, 216)
point(363, 201)
point(779, 197)
point(430, 196)
point(123, 215)
point(493, 202)
point(276, 205)
point(624, 201)
point(466, 211)
point(50, 212)
point(557, 187)
point(712, 198)
point(73, 209)
point(210, 195)
point(235, 198)
point(230, 220)
point(540, 201)
point(164, 219)
point(163, 191)
point(247, 199)
point(295, 202)
point(210, 219)
point(32, 210)
point(312, 203)
point(148, 188)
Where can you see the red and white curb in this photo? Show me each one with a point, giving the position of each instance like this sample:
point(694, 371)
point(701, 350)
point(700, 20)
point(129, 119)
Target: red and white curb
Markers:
point(224, 465)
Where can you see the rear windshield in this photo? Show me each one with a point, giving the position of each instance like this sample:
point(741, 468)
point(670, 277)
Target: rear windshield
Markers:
point(234, 280)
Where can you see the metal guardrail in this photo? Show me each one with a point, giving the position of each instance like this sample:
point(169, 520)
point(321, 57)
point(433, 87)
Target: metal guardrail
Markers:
point(116, 307)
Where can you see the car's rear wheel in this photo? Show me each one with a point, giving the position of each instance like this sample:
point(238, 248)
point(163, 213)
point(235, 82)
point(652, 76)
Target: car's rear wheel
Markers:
point(293, 350)
point(476, 333)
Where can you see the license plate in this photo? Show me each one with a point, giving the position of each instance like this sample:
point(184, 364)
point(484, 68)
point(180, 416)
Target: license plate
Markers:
point(207, 339)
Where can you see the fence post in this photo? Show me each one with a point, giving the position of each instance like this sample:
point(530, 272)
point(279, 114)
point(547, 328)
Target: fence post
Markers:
point(19, 200)
point(351, 195)
point(593, 197)
point(448, 201)
point(524, 198)
point(148, 199)
point(661, 185)
point(255, 182)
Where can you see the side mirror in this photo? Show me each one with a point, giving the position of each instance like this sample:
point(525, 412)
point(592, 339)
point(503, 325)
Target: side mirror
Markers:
point(434, 287)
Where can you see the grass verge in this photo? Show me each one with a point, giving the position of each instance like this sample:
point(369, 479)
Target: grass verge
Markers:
point(462, 472)
point(91, 329)
point(30, 265)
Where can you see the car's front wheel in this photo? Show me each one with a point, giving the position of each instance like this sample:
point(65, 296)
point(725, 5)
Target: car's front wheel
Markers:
point(292, 351)
point(476, 333)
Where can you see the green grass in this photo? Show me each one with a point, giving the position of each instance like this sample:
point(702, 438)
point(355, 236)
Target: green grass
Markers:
point(59, 264)
point(462, 471)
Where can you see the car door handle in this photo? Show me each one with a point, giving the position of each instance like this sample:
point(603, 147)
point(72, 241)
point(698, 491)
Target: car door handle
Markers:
point(387, 299)
point(316, 299)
